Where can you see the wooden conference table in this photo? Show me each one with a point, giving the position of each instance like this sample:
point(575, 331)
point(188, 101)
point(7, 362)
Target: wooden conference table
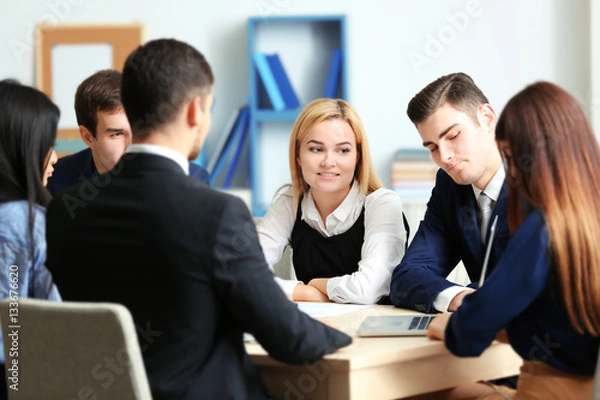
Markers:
point(380, 368)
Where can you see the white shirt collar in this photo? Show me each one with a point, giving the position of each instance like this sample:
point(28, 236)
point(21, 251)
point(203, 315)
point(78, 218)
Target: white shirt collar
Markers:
point(161, 151)
point(493, 188)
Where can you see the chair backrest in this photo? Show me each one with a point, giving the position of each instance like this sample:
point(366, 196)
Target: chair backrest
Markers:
point(596, 392)
point(71, 350)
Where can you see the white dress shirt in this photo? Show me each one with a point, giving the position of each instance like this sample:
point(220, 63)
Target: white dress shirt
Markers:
point(492, 190)
point(382, 249)
point(161, 151)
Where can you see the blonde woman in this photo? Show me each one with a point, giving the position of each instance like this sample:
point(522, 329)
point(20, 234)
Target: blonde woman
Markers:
point(346, 230)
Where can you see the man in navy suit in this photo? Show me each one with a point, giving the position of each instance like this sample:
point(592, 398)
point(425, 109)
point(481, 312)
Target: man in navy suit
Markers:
point(104, 128)
point(457, 124)
point(183, 258)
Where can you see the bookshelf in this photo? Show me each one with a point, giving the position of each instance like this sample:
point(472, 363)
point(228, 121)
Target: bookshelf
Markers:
point(305, 45)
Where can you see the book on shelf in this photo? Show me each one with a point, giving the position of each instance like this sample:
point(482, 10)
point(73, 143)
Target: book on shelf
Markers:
point(222, 142)
point(202, 159)
point(332, 84)
point(241, 136)
point(428, 175)
point(412, 154)
point(269, 84)
point(283, 82)
point(413, 165)
point(405, 171)
point(413, 173)
point(229, 156)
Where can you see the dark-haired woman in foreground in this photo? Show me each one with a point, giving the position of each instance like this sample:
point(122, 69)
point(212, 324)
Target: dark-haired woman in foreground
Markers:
point(28, 123)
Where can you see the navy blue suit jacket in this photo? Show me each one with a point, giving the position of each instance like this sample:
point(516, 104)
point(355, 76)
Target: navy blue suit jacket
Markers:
point(448, 233)
point(79, 167)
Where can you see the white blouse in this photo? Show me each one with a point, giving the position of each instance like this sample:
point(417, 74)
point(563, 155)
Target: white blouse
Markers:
point(382, 249)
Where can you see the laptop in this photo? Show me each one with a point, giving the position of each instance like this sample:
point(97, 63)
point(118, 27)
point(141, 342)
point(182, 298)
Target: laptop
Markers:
point(414, 325)
point(395, 325)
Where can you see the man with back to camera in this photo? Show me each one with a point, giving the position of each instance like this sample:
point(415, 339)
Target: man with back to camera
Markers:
point(184, 259)
point(104, 128)
point(457, 125)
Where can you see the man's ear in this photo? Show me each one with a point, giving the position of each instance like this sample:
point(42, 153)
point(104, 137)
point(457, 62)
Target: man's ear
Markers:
point(87, 136)
point(194, 112)
point(488, 117)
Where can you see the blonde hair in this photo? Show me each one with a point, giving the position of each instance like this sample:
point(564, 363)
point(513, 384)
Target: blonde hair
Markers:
point(314, 113)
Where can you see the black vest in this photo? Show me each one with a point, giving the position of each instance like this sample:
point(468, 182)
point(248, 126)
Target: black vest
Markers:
point(315, 256)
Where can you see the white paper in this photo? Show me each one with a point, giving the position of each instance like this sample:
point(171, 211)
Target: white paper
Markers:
point(323, 310)
point(320, 310)
point(71, 64)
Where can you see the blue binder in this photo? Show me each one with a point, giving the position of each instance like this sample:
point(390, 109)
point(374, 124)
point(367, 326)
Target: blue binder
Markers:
point(333, 77)
point(241, 139)
point(224, 138)
point(268, 80)
point(231, 140)
point(285, 86)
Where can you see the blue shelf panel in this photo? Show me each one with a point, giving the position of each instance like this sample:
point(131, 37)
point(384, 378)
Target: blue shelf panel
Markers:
point(275, 116)
point(298, 18)
point(305, 45)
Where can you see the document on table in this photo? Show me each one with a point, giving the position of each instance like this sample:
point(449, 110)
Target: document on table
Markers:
point(323, 310)
point(320, 310)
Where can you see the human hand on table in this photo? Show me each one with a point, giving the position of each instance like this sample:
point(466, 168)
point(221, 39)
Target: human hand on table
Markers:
point(458, 299)
point(502, 336)
point(304, 292)
point(320, 284)
point(437, 327)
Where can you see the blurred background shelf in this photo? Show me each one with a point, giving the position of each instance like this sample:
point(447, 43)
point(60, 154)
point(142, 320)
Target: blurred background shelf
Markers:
point(305, 46)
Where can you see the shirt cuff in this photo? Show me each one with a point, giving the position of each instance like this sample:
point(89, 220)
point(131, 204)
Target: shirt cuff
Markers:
point(332, 283)
point(443, 299)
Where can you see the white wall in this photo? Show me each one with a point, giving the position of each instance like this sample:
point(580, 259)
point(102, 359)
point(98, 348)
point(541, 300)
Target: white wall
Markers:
point(503, 45)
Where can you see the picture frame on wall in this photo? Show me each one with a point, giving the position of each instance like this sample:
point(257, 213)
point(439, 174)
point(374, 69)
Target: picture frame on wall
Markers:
point(67, 54)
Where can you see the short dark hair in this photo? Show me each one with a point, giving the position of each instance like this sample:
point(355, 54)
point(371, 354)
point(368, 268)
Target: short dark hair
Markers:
point(99, 92)
point(158, 78)
point(456, 89)
point(28, 124)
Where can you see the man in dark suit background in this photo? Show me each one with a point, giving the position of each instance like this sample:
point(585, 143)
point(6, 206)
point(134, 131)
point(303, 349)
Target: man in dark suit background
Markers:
point(183, 258)
point(457, 124)
point(104, 128)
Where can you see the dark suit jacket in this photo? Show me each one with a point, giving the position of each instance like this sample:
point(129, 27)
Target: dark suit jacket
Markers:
point(186, 261)
point(79, 167)
point(448, 233)
point(71, 170)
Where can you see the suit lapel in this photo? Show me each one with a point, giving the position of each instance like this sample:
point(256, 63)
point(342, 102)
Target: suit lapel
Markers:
point(502, 234)
point(501, 210)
